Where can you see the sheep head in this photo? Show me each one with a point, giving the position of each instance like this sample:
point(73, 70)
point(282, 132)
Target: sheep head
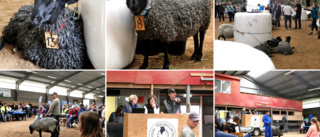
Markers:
point(47, 11)
point(137, 6)
point(31, 129)
point(288, 38)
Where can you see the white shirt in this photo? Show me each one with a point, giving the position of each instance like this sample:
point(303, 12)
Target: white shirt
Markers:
point(155, 110)
point(288, 10)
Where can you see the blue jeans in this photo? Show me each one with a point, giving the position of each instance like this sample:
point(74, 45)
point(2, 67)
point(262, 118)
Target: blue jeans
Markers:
point(222, 134)
point(287, 17)
point(71, 120)
point(4, 117)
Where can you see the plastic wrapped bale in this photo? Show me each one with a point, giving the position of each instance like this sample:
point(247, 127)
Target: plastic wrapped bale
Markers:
point(304, 14)
point(122, 37)
point(252, 28)
point(226, 31)
point(93, 24)
point(238, 56)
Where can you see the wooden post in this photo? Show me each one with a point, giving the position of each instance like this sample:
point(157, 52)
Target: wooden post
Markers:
point(151, 89)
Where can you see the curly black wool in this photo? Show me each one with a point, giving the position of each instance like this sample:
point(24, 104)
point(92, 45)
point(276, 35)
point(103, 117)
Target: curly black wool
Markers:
point(72, 51)
point(175, 20)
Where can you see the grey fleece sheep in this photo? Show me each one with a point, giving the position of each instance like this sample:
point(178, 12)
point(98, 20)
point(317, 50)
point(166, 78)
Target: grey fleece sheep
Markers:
point(175, 21)
point(285, 47)
point(274, 23)
point(226, 31)
point(26, 31)
point(264, 48)
point(46, 124)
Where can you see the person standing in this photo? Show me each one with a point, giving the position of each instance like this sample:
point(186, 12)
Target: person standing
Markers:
point(267, 124)
point(54, 110)
point(287, 15)
point(230, 11)
point(171, 104)
point(274, 10)
point(314, 130)
point(298, 15)
point(255, 112)
point(221, 12)
point(192, 123)
point(315, 16)
point(278, 14)
point(244, 8)
point(133, 103)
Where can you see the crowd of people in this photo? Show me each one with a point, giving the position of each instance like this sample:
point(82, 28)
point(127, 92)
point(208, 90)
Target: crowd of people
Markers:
point(90, 118)
point(277, 10)
point(171, 105)
point(17, 112)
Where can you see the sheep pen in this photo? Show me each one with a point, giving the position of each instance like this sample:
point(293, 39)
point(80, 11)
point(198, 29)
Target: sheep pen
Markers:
point(20, 128)
point(10, 60)
point(306, 52)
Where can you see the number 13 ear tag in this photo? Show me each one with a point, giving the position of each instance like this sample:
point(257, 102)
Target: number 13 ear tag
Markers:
point(139, 23)
point(51, 40)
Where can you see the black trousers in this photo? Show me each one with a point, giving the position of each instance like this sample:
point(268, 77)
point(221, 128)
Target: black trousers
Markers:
point(298, 20)
point(314, 24)
point(221, 15)
point(278, 21)
point(230, 16)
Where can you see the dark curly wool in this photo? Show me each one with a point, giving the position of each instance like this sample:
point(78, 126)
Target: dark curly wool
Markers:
point(71, 53)
point(175, 20)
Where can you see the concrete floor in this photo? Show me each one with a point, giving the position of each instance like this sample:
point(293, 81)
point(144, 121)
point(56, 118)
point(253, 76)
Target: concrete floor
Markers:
point(290, 134)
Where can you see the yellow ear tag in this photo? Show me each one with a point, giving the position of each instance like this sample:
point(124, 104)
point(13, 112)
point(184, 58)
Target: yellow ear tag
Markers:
point(51, 40)
point(66, 5)
point(139, 23)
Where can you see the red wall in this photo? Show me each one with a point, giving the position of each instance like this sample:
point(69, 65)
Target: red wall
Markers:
point(158, 77)
point(248, 100)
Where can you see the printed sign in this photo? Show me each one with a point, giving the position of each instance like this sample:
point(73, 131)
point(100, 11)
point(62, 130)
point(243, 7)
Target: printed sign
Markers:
point(139, 22)
point(51, 40)
point(5, 92)
point(162, 128)
point(255, 121)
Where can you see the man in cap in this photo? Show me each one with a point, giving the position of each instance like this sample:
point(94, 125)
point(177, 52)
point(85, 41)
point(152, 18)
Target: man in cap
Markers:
point(255, 112)
point(267, 124)
point(54, 110)
point(192, 123)
point(171, 104)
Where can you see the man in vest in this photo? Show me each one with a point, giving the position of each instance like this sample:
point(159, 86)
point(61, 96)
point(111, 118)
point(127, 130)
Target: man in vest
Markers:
point(267, 124)
point(171, 104)
point(4, 112)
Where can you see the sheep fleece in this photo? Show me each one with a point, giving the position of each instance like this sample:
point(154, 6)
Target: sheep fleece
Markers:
point(47, 124)
point(175, 20)
point(31, 40)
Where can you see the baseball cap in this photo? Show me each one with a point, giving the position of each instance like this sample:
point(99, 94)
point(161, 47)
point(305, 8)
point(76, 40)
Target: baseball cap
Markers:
point(171, 90)
point(54, 93)
point(194, 116)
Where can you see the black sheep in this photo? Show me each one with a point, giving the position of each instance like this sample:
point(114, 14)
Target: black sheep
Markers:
point(170, 21)
point(27, 27)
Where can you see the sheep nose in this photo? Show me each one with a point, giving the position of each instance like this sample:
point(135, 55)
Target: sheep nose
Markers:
point(37, 19)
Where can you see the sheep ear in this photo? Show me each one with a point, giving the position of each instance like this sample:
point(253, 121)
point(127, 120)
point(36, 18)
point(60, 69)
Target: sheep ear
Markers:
point(71, 1)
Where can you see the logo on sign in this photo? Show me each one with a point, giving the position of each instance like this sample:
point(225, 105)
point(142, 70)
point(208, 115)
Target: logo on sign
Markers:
point(162, 129)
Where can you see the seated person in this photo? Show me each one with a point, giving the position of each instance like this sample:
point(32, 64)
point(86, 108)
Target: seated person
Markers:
point(235, 126)
point(73, 116)
point(82, 109)
point(302, 127)
point(41, 111)
point(4, 111)
point(306, 127)
point(116, 117)
point(64, 111)
point(152, 107)
point(133, 103)
point(218, 133)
